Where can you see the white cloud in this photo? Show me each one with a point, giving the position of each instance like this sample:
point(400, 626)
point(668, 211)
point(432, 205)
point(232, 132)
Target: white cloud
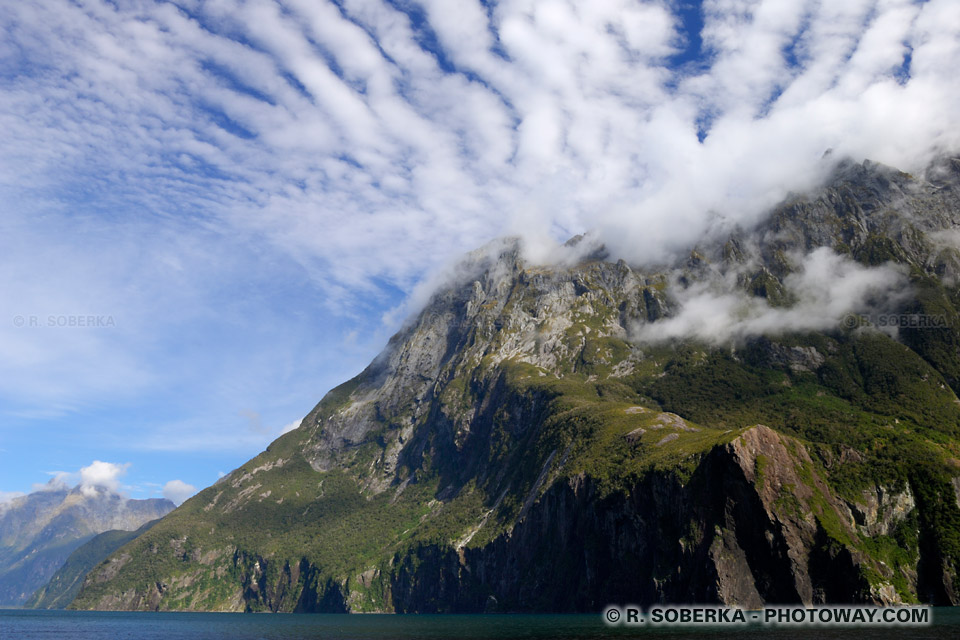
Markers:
point(176, 491)
point(103, 476)
point(190, 151)
point(396, 153)
point(97, 476)
point(827, 288)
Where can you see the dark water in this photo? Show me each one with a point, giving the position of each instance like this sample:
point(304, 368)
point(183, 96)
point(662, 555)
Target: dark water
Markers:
point(84, 625)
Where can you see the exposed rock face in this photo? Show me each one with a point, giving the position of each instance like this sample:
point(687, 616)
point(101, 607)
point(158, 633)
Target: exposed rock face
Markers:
point(487, 319)
point(881, 509)
point(727, 535)
point(40, 530)
point(516, 448)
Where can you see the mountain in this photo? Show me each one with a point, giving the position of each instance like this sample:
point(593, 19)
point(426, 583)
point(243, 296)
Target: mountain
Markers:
point(773, 417)
point(66, 582)
point(40, 530)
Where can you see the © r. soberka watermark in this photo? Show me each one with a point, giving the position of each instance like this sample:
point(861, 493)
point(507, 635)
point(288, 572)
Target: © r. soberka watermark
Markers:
point(65, 321)
point(896, 320)
point(707, 615)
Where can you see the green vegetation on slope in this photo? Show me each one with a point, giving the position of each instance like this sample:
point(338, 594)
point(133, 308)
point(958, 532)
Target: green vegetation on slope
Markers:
point(66, 582)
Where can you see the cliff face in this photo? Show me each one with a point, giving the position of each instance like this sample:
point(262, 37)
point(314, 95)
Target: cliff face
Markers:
point(556, 438)
point(40, 530)
point(727, 534)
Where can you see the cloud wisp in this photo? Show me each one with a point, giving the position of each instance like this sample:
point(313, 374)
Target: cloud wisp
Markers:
point(8, 496)
point(826, 289)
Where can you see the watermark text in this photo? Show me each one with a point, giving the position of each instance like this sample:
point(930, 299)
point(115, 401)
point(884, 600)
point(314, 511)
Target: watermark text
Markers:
point(844, 616)
point(64, 321)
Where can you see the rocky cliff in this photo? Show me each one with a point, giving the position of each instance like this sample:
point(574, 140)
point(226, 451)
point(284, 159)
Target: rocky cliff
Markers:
point(771, 418)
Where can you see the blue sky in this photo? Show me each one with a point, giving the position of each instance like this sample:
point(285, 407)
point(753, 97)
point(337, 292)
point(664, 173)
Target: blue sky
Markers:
point(240, 201)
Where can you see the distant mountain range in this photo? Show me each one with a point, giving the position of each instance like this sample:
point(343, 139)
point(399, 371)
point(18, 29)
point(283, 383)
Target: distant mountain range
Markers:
point(40, 530)
point(771, 418)
point(63, 587)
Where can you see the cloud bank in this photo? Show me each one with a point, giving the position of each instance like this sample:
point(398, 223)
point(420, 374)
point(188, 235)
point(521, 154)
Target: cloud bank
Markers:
point(371, 139)
point(227, 157)
point(827, 289)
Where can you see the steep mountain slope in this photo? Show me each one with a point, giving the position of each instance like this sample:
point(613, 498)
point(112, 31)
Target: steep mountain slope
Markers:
point(66, 582)
point(748, 425)
point(40, 530)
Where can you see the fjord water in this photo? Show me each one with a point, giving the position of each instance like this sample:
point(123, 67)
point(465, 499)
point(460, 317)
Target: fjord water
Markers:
point(93, 625)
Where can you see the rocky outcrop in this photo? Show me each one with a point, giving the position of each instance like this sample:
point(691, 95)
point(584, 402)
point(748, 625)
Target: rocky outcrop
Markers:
point(882, 509)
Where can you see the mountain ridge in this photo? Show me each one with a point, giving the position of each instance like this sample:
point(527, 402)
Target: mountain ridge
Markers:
point(40, 530)
point(521, 445)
